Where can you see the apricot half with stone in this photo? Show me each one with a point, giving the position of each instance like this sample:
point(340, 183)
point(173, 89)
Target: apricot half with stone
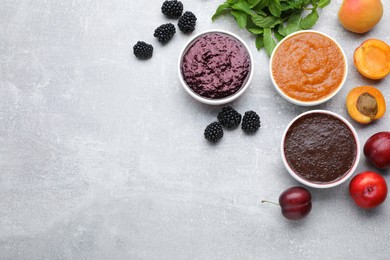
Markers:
point(372, 59)
point(365, 104)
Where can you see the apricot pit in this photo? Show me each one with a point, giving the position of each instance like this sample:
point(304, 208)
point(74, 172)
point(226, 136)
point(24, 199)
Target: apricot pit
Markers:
point(372, 59)
point(365, 104)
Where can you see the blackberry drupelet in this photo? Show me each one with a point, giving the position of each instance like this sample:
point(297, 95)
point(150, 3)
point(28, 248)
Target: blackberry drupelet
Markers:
point(213, 132)
point(172, 9)
point(187, 22)
point(165, 32)
point(250, 122)
point(229, 117)
point(142, 50)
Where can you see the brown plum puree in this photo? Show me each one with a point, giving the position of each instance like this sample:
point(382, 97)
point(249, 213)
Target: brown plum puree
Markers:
point(216, 65)
point(320, 148)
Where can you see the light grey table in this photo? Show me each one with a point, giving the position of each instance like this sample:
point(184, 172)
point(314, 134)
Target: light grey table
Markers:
point(102, 156)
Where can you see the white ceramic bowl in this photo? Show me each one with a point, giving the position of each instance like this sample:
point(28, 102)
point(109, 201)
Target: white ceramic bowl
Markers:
point(325, 184)
point(296, 101)
point(217, 101)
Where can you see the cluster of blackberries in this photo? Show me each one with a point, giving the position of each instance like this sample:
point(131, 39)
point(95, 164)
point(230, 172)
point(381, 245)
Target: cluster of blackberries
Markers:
point(165, 32)
point(230, 118)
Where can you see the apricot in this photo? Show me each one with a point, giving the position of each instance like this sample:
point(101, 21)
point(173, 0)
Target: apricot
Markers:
point(360, 16)
point(372, 59)
point(365, 104)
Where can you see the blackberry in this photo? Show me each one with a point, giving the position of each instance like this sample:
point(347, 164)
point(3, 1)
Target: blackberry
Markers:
point(250, 122)
point(187, 22)
point(142, 50)
point(213, 132)
point(172, 9)
point(165, 32)
point(229, 117)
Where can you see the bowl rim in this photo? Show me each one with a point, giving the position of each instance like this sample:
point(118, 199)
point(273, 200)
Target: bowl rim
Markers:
point(315, 102)
point(328, 184)
point(224, 100)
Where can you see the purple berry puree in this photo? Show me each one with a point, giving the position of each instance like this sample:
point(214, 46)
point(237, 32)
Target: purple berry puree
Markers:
point(216, 65)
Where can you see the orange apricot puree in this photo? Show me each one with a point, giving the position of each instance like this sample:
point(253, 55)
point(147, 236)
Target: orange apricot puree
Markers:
point(308, 66)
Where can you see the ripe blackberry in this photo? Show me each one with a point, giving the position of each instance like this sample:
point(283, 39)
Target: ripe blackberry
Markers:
point(164, 32)
point(172, 9)
point(229, 117)
point(250, 122)
point(142, 50)
point(213, 132)
point(187, 22)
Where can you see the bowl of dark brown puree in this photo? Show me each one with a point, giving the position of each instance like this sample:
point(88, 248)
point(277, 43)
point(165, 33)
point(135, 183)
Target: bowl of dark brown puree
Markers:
point(320, 149)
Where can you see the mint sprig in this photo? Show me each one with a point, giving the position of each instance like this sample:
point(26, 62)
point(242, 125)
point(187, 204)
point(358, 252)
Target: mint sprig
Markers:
point(272, 20)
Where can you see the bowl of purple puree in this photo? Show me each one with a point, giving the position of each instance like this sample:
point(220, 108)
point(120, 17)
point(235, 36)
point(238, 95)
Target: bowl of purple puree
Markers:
point(215, 67)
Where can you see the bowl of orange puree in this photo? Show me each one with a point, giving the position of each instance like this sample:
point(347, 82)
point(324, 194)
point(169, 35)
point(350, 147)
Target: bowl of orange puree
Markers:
point(308, 68)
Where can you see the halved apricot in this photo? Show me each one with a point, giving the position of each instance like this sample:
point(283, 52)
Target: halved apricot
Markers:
point(365, 104)
point(372, 59)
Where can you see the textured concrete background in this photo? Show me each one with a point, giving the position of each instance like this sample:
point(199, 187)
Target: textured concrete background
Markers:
point(102, 156)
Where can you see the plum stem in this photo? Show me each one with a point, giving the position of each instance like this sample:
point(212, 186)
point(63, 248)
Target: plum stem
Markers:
point(267, 201)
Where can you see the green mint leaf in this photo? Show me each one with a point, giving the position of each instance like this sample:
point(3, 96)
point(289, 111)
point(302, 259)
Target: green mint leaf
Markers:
point(250, 24)
point(240, 18)
point(259, 42)
point(223, 8)
point(253, 3)
point(309, 21)
point(255, 31)
point(278, 36)
point(269, 42)
point(261, 5)
point(265, 22)
point(261, 12)
point(323, 3)
point(242, 6)
point(294, 4)
point(282, 30)
point(275, 8)
point(293, 23)
point(298, 4)
point(286, 6)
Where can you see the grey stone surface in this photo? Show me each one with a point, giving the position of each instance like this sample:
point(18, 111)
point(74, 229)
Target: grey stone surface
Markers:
point(102, 156)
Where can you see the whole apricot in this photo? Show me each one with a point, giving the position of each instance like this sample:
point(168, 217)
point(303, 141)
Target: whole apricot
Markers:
point(360, 16)
point(372, 59)
point(365, 104)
